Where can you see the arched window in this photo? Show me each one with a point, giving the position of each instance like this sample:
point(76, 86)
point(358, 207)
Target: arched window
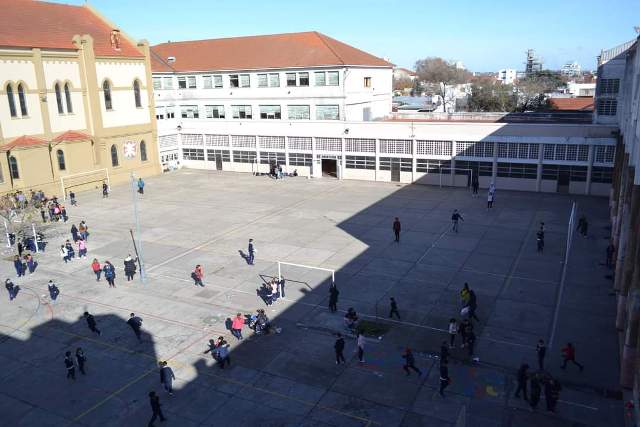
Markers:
point(23, 101)
point(106, 89)
point(143, 151)
point(114, 156)
point(12, 101)
point(136, 93)
point(67, 96)
point(13, 168)
point(60, 156)
point(59, 99)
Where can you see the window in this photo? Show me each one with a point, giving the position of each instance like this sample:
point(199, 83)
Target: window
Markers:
point(601, 174)
point(239, 80)
point(191, 82)
point(244, 156)
point(189, 111)
point(271, 142)
point(214, 111)
point(193, 154)
point(13, 168)
point(607, 107)
point(301, 159)
point(263, 80)
point(182, 82)
point(157, 83)
point(268, 157)
point(478, 168)
point(518, 170)
point(245, 81)
point(333, 78)
point(367, 82)
point(404, 163)
point(320, 78)
point(12, 101)
point(433, 166)
point(23, 101)
point(171, 111)
point(291, 79)
point(136, 93)
point(192, 139)
point(605, 153)
point(360, 162)
point(608, 86)
point(143, 151)
point(67, 96)
point(106, 89)
point(329, 144)
point(241, 111)
point(216, 140)
point(303, 79)
point(327, 112)
point(207, 82)
point(244, 141)
point(168, 82)
point(59, 99)
point(60, 156)
point(160, 111)
point(217, 81)
point(360, 145)
point(271, 112)
point(300, 143)
point(434, 148)
point(274, 80)
point(224, 154)
point(114, 156)
point(298, 112)
point(395, 146)
point(474, 149)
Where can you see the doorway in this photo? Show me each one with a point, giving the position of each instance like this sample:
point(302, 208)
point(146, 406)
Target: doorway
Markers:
point(395, 170)
point(218, 162)
point(564, 178)
point(330, 168)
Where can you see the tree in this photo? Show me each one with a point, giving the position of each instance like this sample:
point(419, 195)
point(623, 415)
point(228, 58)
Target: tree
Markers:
point(18, 219)
point(487, 94)
point(532, 89)
point(402, 83)
point(440, 74)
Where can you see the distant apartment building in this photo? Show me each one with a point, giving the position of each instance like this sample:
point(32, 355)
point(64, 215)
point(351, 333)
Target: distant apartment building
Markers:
point(77, 103)
point(571, 69)
point(404, 73)
point(507, 76)
point(579, 90)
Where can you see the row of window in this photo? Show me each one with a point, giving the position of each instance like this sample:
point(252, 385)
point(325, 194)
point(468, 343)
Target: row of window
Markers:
point(108, 100)
point(292, 79)
point(22, 99)
point(266, 112)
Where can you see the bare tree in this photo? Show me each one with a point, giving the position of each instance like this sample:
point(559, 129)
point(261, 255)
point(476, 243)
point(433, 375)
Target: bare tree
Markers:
point(439, 74)
point(19, 219)
point(532, 89)
point(402, 83)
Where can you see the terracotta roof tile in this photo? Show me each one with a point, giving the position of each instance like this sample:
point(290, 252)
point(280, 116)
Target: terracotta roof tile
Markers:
point(35, 24)
point(572, 104)
point(260, 52)
point(71, 135)
point(22, 142)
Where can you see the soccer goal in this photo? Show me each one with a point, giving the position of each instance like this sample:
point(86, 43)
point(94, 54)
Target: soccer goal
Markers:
point(456, 177)
point(282, 264)
point(83, 181)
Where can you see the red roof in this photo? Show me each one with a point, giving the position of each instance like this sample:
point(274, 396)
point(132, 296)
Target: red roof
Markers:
point(572, 104)
point(290, 50)
point(35, 24)
point(71, 135)
point(23, 141)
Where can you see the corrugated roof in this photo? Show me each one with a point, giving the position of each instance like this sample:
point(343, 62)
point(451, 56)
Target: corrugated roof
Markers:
point(572, 104)
point(22, 142)
point(35, 24)
point(71, 135)
point(290, 50)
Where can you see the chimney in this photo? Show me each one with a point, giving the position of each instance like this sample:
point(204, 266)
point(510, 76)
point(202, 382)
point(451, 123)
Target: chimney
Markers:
point(115, 39)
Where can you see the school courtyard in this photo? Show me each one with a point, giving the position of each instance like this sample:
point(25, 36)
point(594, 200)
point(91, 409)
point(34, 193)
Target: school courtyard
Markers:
point(290, 379)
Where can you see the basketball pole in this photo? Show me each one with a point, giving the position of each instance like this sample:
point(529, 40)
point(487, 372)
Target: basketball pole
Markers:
point(138, 247)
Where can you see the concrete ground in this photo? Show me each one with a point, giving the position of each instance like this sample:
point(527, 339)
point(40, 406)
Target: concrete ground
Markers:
point(290, 379)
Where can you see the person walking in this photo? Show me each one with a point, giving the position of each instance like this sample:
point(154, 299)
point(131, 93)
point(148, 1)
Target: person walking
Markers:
point(455, 219)
point(444, 352)
point(53, 291)
point(81, 358)
point(360, 343)
point(71, 367)
point(156, 407)
point(31, 263)
point(72, 198)
point(540, 240)
point(222, 354)
point(552, 394)
point(541, 351)
point(83, 230)
point(252, 252)
point(136, 324)
point(453, 331)
point(129, 267)
point(473, 305)
point(64, 254)
point(583, 225)
point(410, 362)
point(569, 355)
point(237, 325)
point(333, 298)
point(166, 377)
point(197, 275)
point(475, 185)
point(396, 229)
point(465, 330)
point(82, 248)
point(445, 380)
point(91, 323)
point(338, 346)
point(105, 190)
point(471, 341)
point(536, 390)
point(74, 233)
point(140, 186)
point(610, 251)
point(393, 308)
point(109, 274)
point(489, 200)
point(523, 376)
point(96, 268)
point(17, 264)
point(11, 288)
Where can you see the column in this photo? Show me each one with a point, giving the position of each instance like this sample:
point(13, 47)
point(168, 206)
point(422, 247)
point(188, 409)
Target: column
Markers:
point(539, 171)
point(314, 165)
point(230, 145)
point(286, 154)
point(414, 163)
point(587, 187)
point(257, 169)
point(377, 154)
point(343, 159)
point(494, 170)
point(454, 152)
point(206, 157)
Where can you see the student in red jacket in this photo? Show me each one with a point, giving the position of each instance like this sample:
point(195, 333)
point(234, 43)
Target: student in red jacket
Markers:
point(237, 325)
point(569, 355)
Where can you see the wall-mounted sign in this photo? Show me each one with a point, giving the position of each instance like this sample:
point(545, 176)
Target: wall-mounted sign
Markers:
point(129, 149)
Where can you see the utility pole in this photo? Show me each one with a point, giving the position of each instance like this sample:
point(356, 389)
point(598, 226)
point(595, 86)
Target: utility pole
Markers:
point(137, 247)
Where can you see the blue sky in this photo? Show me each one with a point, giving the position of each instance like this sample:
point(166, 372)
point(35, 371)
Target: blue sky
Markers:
point(485, 35)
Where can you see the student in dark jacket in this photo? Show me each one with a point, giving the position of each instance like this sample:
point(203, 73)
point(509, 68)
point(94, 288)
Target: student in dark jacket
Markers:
point(522, 381)
point(410, 362)
point(396, 229)
point(136, 324)
point(91, 323)
point(333, 298)
point(339, 348)
point(129, 267)
point(154, 400)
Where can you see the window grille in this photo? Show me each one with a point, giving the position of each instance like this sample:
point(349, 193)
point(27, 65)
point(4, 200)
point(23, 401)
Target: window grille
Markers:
point(299, 143)
point(395, 146)
point(329, 144)
point(271, 142)
point(356, 145)
point(243, 141)
point(216, 140)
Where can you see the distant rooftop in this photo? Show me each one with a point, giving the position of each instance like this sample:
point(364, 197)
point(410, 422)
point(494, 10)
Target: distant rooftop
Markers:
point(584, 117)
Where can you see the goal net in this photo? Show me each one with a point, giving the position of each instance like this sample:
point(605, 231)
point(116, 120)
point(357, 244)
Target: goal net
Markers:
point(307, 275)
point(448, 177)
point(89, 180)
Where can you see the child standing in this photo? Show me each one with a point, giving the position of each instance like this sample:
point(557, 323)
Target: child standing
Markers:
point(97, 269)
point(453, 331)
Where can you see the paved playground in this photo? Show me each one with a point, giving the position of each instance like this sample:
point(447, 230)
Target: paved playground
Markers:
point(290, 379)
